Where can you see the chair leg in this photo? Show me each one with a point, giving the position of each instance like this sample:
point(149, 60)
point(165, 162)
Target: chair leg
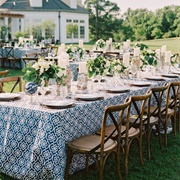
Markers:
point(148, 137)
point(159, 135)
point(165, 131)
point(126, 153)
point(118, 163)
point(173, 120)
point(69, 157)
point(178, 122)
point(140, 150)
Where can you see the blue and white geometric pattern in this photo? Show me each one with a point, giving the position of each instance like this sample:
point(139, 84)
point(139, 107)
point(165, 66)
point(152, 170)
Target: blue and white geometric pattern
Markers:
point(33, 138)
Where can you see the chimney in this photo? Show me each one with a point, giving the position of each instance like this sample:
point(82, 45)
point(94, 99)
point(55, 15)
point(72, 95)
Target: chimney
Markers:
point(71, 3)
point(36, 3)
point(2, 2)
point(79, 3)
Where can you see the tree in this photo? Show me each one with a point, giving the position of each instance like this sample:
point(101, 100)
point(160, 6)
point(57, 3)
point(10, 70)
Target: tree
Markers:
point(104, 13)
point(49, 27)
point(71, 29)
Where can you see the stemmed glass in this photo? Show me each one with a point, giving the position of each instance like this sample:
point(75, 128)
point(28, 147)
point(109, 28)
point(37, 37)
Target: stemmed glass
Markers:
point(53, 53)
point(31, 88)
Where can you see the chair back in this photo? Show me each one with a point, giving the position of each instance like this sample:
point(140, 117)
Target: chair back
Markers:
point(4, 73)
point(14, 80)
point(158, 94)
point(141, 105)
point(115, 114)
point(172, 95)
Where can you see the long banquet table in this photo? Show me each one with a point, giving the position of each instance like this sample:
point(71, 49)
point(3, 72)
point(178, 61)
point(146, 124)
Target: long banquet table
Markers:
point(33, 138)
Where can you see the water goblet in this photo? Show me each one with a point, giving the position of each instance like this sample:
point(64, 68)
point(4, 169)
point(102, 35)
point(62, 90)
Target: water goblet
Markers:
point(31, 88)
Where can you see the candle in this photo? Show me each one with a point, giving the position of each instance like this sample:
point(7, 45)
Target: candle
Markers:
point(62, 47)
point(31, 38)
point(21, 39)
point(110, 40)
point(59, 50)
point(126, 57)
point(66, 58)
point(107, 43)
point(167, 56)
point(158, 53)
point(81, 43)
point(136, 52)
point(82, 67)
point(163, 49)
point(62, 63)
point(128, 43)
point(125, 45)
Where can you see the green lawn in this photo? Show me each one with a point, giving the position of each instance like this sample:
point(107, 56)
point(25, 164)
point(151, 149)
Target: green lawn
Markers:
point(173, 44)
point(164, 165)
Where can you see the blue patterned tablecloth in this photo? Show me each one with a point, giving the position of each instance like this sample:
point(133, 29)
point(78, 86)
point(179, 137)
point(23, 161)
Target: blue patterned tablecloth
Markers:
point(33, 138)
point(18, 53)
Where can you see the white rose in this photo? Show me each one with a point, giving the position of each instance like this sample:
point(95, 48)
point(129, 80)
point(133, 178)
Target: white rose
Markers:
point(60, 73)
point(35, 66)
point(118, 67)
point(41, 70)
point(107, 63)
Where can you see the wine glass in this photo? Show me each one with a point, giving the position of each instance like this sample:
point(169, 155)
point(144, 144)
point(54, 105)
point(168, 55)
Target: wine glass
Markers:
point(53, 53)
point(31, 88)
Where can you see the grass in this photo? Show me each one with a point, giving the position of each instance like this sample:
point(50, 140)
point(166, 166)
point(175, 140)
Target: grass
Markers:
point(164, 165)
point(173, 44)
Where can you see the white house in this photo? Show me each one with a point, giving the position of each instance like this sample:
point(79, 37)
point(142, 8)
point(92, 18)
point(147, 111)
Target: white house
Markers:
point(23, 14)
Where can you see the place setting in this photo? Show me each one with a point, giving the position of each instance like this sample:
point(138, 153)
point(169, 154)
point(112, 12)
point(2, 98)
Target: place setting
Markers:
point(9, 96)
point(58, 104)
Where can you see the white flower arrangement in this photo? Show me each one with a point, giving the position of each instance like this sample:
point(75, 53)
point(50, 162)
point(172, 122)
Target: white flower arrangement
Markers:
point(117, 45)
point(101, 66)
point(100, 43)
point(43, 70)
point(174, 59)
point(73, 51)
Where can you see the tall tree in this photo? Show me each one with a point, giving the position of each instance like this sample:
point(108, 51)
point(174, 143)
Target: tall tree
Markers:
point(103, 13)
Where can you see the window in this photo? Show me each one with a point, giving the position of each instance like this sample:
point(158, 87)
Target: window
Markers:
point(68, 20)
point(82, 32)
point(75, 21)
point(81, 21)
point(72, 31)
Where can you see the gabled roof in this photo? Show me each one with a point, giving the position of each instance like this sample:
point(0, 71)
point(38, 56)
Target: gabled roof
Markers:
point(51, 5)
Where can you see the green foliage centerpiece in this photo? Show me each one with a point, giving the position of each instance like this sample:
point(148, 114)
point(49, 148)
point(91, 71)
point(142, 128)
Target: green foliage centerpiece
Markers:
point(43, 70)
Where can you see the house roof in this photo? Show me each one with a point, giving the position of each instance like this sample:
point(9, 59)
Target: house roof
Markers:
point(6, 13)
point(50, 5)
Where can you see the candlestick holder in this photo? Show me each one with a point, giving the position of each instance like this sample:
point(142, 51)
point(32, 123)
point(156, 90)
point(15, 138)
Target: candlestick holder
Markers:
point(82, 83)
point(162, 60)
point(135, 66)
point(69, 78)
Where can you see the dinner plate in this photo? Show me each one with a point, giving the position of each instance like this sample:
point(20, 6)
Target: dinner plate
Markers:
point(170, 75)
point(88, 97)
point(155, 78)
point(58, 104)
point(9, 96)
point(175, 72)
point(140, 83)
point(117, 89)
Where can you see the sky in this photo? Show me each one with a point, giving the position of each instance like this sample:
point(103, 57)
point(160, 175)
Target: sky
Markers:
point(149, 4)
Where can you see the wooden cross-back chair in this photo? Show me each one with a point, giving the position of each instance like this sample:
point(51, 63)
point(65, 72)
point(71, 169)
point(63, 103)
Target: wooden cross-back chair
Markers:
point(165, 106)
point(10, 58)
point(14, 81)
point(28, 57)
point(4, 73)
point(171, 107)
point(98, 148)
point(132, 127)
